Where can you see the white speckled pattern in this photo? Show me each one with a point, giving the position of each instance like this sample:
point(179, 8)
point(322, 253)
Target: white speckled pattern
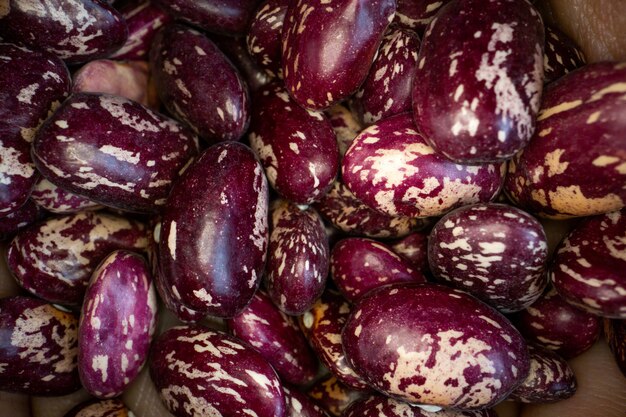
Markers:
point(197, 371)
point(429, 344)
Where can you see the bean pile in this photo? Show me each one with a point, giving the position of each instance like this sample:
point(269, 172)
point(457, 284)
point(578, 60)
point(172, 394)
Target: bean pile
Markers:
point(339, 204)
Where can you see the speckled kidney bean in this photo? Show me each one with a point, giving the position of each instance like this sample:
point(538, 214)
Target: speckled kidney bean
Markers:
point(333, 396)
point(300, 405)
point(57, 200)
point(555, 324)
point(74, 30)
point(54, 259)
point(478, 102)
point(391, 168)
point(417, 14)
point(264, 36)
point(378, 405)
point(38, 348)
point(27, 214)
point(550, 378)
point(297, 147)
point(358, 265)
point(127, 79)
point(203, 372)
point(322, 325)
point(96, 145)
point(214, 234)
point(496, 252)
point(297, 264)
point(561, 55)
point(144, 20)
point(328, 48)
point(33, 83)
point(345, 125)
point(429, 344)
point(413, 247)
point(588, 268)
point(198, 84)
point(561, 173)
point(615, 333)
point(228, 17)
point(345, 212)
point(387, 89)
point(100, 408)
point(115, 332)
point(277, 337)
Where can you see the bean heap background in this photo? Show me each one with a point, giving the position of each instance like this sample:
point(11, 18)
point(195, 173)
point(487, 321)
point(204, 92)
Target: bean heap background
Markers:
point(258, 170)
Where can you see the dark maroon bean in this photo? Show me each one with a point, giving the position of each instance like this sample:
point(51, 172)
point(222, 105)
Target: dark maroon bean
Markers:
point(100, 408)
point(417, 14)
point(229, 17)
point(114, 332)
point(358, 265)
point(563, 174)
point(378, 405)
point(588, 268)
point(413, 247)
point(237, 51)
point(264, 36)
point(198, 84)
point(615, 333)
point(74, 30)
point(430, 344)
point(478, 102)
point(57, 200)
point(32, 84)
point(322, 325)
point(300, 405)
point(23, 217)
point(561, 55)
point(344, 211)
point(496, 252)
point(345, 125)
point(54, 259)
point(143, 20)
point(391, 168)
point(298, 253)
point(387, 89)
point(333, 396)
point(555, 324)
point(550, 378)
point(214, 235)
point(328, 47)
point(202, 372)
point(38, 348)
point(277, 338)
point(297, 147)
point(96, 145)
